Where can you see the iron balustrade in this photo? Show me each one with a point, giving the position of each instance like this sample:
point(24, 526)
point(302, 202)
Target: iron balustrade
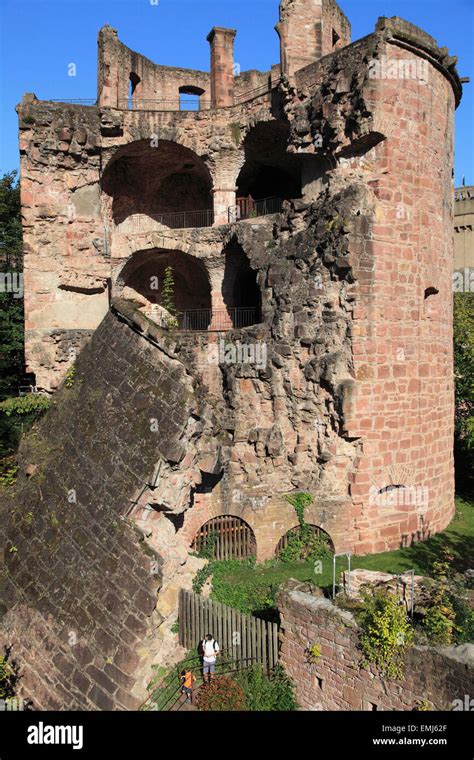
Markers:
point(218, 319)
point(143, 104)
point(149, 104)
point(247, 208)
point(250, 94)
point(178, 220)
point(168, 694)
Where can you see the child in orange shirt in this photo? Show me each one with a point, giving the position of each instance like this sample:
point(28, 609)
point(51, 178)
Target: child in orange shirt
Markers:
point(187, 679)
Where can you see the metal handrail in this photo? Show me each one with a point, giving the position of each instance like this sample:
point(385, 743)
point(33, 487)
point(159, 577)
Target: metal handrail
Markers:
point(123, 104)
point(78, 101)
point(176, 220)
point(177, 105)
point(254, 93)
point(247, 208)
point(217, 319)
point(181, 666)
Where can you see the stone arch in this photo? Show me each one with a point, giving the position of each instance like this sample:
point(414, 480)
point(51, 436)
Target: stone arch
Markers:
point(283, 541)
point(156, 179)
point(240, 291)
point(268, 169)
point(227, 536)
point(141, 279)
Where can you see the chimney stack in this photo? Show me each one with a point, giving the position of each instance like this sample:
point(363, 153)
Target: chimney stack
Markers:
point(222, 66)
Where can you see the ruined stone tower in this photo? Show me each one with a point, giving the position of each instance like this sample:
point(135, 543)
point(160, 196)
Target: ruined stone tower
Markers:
point(307, 215)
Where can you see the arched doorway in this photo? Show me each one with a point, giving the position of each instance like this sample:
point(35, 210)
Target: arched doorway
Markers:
point(143, 277)
point(162, 179)
point(317, 532)
point(269, 174)
point(240, 290)
point(225, 537)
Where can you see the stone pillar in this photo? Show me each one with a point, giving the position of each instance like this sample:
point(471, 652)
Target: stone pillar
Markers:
point(108, 68)
point(224, 198)
point(221, 319)
point(222, 66)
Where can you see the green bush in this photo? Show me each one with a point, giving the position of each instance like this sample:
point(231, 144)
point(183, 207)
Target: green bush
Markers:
point(386, 632)
point(464, 390)
point(265, 693)
point(32, 403)
point(304, 544)
point(436, 611)
point(8, 676)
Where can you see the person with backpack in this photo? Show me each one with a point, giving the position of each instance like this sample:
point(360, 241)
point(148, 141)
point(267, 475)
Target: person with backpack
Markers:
point(210, 650)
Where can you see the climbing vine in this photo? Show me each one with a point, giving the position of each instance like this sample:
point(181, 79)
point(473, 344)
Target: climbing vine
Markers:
point(303, 544)
point(386, 632)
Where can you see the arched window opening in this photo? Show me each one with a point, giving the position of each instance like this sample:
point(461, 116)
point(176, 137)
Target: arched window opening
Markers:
point(269, 174)
point(240, 291)
point(167, 182)
point(142, 280)
point(190, 98)
point(134, 81)
point(225, 537)
point(318, 533)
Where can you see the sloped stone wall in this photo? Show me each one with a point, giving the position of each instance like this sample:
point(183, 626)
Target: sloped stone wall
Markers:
point(79, 584)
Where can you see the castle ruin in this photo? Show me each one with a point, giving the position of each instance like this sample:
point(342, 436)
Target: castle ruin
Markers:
point(307, 215)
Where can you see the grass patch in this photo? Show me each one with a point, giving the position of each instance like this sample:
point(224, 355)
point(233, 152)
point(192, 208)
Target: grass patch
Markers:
point(252, 588)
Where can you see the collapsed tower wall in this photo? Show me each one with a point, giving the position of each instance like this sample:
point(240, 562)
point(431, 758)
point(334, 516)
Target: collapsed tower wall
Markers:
point(354, 401)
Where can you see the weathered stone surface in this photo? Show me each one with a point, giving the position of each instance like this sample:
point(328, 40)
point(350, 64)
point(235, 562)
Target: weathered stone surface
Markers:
point(337, 681)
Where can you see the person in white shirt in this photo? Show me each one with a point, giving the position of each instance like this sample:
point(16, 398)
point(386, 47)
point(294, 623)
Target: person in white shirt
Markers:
point(210, 649)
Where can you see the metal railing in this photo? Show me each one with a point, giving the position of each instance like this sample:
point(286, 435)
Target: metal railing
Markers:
point(76, 101)
point(247, 208)
point(178, 220)
point(218, 319)
point(147, 104)
point(170, 687)
point(160, 104)
point(263, 89)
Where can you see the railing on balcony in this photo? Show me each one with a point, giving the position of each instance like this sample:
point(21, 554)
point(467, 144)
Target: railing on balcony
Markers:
point(247, 208)
point(160, 104)
point(207, 320)
point(178, 220)
point(263, 89)
point(146, 104)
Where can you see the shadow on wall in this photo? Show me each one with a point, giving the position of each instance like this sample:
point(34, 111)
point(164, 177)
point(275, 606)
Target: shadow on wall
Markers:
point(164, 179)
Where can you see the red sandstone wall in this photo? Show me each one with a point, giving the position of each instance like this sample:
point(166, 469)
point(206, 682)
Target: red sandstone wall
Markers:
point(306, 32)
point(402, 341)
point(337, 682)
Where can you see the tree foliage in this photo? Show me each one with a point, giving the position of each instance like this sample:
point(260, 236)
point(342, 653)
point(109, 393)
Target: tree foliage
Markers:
point(464, 388)
point(11, 306)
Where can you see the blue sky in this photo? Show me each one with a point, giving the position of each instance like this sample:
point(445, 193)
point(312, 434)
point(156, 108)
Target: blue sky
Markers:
point(39, 38)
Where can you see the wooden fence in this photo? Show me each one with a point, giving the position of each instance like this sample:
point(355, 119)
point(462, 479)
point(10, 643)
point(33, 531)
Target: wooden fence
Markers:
point(242, 638)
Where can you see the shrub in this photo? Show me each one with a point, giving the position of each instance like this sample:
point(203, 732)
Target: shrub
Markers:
point(304, 544)
point(438, 617)
point(8, 676)
point(386, 632)
point(264, 693)
point(223, 694)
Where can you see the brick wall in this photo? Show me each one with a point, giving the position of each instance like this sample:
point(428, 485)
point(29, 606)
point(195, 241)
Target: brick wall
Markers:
point(337, 681)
